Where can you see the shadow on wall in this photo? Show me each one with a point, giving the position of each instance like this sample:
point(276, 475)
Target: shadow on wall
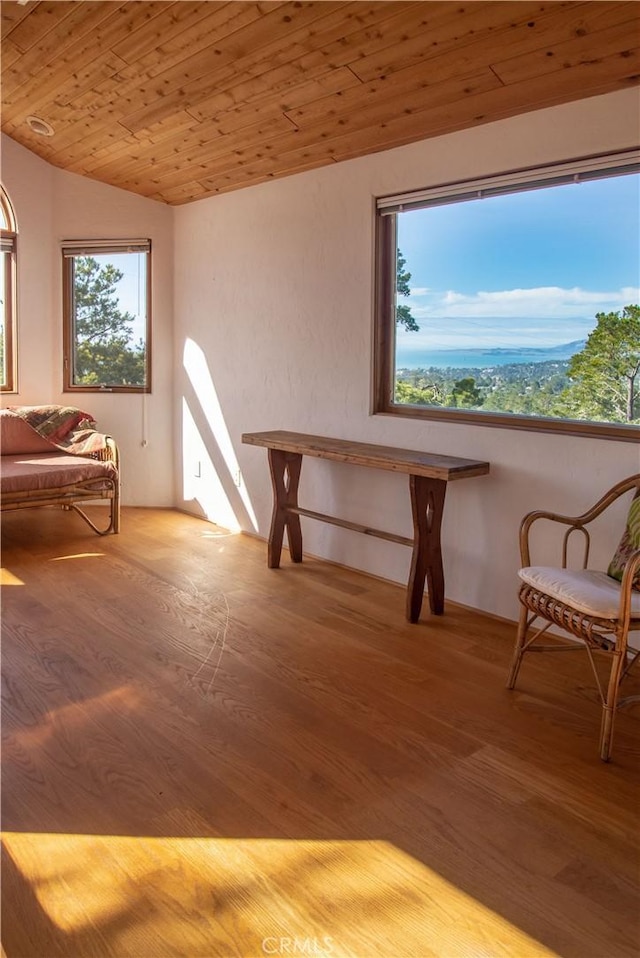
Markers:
point(211, 476)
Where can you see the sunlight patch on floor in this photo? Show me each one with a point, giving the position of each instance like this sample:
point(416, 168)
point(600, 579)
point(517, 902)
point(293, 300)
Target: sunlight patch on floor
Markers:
point(219, 534)
point(74, 716)
point(8, 578)
point(79, 555)
point(137, 895)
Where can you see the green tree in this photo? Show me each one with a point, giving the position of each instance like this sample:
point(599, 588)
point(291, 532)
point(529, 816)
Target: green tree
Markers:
point(403, 312)
point(605, 374)
point(423, 394)
point(104, 352)
point(410, 395)
point(466, 394)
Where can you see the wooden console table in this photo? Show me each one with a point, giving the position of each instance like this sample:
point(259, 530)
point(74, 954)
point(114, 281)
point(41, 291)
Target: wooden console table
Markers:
point(428, 476)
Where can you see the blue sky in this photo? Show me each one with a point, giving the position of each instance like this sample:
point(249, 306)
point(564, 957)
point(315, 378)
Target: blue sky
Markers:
point(131, 290)
point(552, 257)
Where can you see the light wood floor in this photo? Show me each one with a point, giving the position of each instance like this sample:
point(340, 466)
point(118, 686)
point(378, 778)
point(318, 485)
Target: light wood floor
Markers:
point(204, 757)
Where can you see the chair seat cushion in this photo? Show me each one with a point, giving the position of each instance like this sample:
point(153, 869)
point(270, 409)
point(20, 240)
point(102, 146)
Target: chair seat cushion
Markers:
point(588, 591)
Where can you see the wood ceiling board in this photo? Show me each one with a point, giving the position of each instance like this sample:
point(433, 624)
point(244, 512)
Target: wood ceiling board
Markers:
point(262, 79)
point(501, 102)
point(288, 76)
point(179, 26)
point(283, 81)
point(35, 71)
point(314, 148)
point(38, 22)
point(139, 97)
point(103, 67)
point(396, 29)
point(168, 129)
point(80, 22)
point(26, 81)
point(342, 38)
point(10, 53)
point(184, 165)
point(619, 39)
point(183, 194)
point(335, 84)
point(185, 95)
point(177, 48)
point(400, 93)
point(11, 14)
point(520, 36)
point(249, 177)
point(196, 53)
point(452, 31)
point(186, 85)
point(132, 146)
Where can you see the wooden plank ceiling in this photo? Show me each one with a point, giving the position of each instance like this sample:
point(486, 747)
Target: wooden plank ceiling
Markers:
point(182, 100)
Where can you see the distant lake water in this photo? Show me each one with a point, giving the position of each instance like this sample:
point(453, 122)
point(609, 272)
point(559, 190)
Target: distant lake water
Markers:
point(473, 358)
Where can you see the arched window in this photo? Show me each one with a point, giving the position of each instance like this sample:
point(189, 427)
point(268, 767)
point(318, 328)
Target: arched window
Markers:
point(8, 242)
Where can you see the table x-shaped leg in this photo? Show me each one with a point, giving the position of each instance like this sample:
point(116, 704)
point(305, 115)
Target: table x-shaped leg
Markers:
point(427, 506)
point(285, 477)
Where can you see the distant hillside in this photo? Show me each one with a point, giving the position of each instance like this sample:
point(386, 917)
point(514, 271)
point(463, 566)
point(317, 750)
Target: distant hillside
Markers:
point(483, 357)
point(564, 349)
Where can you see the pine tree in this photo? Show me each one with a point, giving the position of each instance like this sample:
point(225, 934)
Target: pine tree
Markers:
point(403, 312)
point(104, 353)
point(606, 373)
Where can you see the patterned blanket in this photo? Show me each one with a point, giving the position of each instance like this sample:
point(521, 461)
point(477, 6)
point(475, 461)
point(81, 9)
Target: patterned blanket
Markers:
point(68, 428)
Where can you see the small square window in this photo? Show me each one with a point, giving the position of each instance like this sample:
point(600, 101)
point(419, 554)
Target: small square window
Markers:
point(107, 316)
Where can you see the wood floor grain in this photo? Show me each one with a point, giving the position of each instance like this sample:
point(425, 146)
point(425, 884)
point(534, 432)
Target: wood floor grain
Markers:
point(205, 757)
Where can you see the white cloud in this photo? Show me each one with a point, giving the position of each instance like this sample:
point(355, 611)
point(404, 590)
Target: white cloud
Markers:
point(545, 302)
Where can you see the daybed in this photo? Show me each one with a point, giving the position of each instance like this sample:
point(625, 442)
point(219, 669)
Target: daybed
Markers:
point(53, 455)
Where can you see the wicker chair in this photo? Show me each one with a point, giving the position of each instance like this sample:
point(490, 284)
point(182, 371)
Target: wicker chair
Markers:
point(589, 605)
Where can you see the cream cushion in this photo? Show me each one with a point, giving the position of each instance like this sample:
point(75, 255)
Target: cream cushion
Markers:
point(588, 591)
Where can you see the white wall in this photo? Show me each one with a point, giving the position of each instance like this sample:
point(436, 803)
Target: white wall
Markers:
point(273, 293)
point(52, 205)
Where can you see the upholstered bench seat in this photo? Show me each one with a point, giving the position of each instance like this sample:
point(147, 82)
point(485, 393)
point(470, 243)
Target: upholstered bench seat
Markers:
point(25, 473)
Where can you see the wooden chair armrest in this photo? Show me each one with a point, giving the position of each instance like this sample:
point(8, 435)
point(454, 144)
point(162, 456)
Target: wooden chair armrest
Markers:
point(575, 523)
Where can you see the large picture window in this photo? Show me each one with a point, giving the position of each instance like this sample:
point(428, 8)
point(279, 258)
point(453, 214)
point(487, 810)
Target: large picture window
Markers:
point(514, 301)
point(107, 315)
point(8, 241)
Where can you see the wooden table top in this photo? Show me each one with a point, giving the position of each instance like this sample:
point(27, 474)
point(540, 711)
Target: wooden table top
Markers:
point(410, 461)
